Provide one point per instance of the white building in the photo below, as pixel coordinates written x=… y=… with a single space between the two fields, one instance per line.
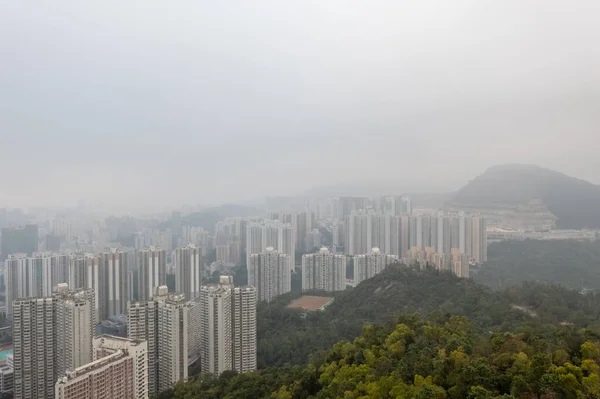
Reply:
x=85 y=272
x=371 y=264
x=34 y=276
x=216 y=328
x=271 y=233
x=152 y=271
x=163 y=323
x=323 y=271
x=172 y=340
x=243 y=323
x=269 y=273
x=142 y=324
x=228 y=327
x=188 y=270
x=50 y=336
x=118 y=371
x=115 y=267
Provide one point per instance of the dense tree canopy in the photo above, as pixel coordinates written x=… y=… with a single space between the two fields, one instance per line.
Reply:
x=442 y=357
x=287 y=336
x=410 y=333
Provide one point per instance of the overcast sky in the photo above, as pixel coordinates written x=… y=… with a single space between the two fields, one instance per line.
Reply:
x=148 y=104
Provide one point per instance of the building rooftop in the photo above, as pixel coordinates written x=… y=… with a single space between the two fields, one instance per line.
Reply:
x=310 y=303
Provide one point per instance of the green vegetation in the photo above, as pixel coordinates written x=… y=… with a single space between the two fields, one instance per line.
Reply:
x=572 y=201
x=469 y=342
x=569 y=263
x=441 y=357
x=288 y=337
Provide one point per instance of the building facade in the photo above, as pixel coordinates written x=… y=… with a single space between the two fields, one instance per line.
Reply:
x=118 y=371
x=163 y=323
x=188 y=270
x=227 y=327
x=369 y=265
x=323 y=271
x=50 y=336
x=152 y=271
x=269 y=273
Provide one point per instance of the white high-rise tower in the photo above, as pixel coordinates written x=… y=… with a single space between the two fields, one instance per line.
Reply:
x=323 y=271
x=188 y=270
x=269 y=273
x=228 y=327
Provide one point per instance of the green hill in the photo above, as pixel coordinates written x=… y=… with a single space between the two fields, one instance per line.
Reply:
x=442 y=357
x=296 y=358
x=286 y=337
x=532 y=191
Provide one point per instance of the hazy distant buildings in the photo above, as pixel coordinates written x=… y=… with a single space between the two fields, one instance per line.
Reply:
x=359 y=232
x=22 y=239
x=395 y=205
x=455 y=261
x=152 y=271
x=227 y=327
x=34 y=276
x=323 y=271
x=270 y=233
x=369 y=265
x=85 y=272
x=314 y=239
x=188 y=270
x=301 y=223
x=395 y=235
x=114 y=267
x=118 y=371
x=270 y=274
x=50 y=335
x=344 y=206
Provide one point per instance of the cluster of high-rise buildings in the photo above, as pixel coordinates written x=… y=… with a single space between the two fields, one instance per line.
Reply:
x=58 y=325
x=58 y=355
x=57 y=299
x=396 y=235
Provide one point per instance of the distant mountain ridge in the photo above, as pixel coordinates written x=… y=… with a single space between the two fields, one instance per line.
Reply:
x=532 y=192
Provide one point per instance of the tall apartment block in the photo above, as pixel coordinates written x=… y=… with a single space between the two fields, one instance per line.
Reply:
x=371 y=264
x=269 y=273
x=323 y=271
x=50 y=336
x=227 y=327
x=142 y=324
x=396 y=235
x=85 y=272
x=34 y=276
x=396 y=205
x=115 y=265
x=163 y=323
x=152 y=271
x=172 y=339
x=188 y=270
x=271 y=233
x=118 y=371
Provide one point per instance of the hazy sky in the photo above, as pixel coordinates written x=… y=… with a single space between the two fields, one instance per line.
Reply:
x=143 y=104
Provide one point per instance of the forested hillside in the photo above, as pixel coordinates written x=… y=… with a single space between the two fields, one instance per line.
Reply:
x=442 y=357
x=570 y=263
x=540 y=316
x=286 y=337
